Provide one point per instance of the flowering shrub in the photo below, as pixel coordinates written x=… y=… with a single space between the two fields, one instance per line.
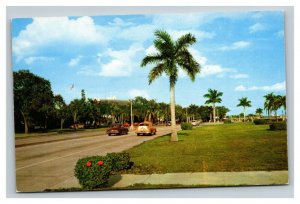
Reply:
x=93 y=172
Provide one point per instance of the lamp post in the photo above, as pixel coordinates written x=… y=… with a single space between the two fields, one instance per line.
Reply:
x=131 y=116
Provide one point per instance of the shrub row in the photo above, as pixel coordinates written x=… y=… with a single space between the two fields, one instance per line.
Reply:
x=186 y=126
x=93 y=172
x=260 y=121
x=227 y=121
x=278 y=126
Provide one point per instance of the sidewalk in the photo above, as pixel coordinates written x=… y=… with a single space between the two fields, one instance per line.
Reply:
x=198 y=178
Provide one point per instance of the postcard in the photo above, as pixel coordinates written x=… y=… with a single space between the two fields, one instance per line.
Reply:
x=181 y=100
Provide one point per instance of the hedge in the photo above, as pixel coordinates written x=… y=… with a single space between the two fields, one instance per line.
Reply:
x=186 y=126
x=119 y=161
x=278 y=126
x=260 y=121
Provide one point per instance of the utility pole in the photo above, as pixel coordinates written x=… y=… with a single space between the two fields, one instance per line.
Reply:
x=131 y=116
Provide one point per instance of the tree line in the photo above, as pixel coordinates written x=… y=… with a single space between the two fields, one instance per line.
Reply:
x=37 y=108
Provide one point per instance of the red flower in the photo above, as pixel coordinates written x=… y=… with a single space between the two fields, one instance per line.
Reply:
x=89 y=164
x=100 y=163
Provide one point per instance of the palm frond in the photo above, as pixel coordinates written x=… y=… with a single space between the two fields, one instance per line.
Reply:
x=151 y=59
x=156 y=72
x=184 y=41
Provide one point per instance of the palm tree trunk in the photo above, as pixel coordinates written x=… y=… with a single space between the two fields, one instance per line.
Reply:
x=244 y=114
x=61 y=123
x=25 y=122
x=174 y=137
x=214 y=112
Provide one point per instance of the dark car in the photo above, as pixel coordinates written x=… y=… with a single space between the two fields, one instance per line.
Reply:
x=117 y=129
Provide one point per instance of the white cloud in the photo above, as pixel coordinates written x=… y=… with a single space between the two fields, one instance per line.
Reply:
x=188 y=20
x=138 y=92
x=257 y=27
x=214 y=69
x=120 y=23
x=274 y=87
x=122 y=62
x=44 y=31
x=151 y=50
x=236 y=46
x=74 y=61
x=139 y=33
x=175 y=34
x=240 y=88
x=31 y=60
x=239 y=76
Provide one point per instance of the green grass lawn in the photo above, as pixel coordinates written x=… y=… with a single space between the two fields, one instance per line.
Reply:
x=228 y=147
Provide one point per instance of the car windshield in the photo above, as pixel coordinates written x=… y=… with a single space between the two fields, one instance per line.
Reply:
x=115 y=126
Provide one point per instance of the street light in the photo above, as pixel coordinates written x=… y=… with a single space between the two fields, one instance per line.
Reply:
x=131 y=116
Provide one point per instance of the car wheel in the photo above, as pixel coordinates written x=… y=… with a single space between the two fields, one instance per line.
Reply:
x=109 y=134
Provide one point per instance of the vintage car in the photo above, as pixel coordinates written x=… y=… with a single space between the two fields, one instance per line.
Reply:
x=146 y=128
x=195 y=122
x=117 y=129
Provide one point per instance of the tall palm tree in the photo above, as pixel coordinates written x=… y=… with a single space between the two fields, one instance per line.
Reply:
x=269 y=102
x=277 y=103
x=169 y=57
x=213 y=97
x=283 y=102
x=245 y=103
x=259 y=111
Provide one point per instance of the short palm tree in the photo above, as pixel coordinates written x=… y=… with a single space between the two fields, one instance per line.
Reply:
x=169 y=57
x=259 y=111
x=245 y=103
x=213 y=97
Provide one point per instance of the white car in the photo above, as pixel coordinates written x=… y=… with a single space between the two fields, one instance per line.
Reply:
x=195 y=122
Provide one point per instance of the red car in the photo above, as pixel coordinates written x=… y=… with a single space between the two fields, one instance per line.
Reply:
x=117 y=129
x=126 y=124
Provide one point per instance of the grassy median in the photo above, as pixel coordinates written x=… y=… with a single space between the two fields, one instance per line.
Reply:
x=228 y=147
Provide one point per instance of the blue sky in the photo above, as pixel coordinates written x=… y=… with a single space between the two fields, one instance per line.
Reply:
x=241 y=54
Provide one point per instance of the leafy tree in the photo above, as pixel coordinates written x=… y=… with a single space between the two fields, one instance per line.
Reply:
x=213 y=97
x=33 y=97
x=222 y=111
x=169 y=57
x=244 y=102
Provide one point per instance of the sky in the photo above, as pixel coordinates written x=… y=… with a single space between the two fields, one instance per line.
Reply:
x=241 y=54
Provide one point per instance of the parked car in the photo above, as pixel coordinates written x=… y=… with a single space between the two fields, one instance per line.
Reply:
x=195 y=122
x=126 y=124
x=117 y=129
x=146 y=128
x=77 y=126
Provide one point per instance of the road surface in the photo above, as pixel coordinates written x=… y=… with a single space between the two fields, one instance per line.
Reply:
x=43 y=162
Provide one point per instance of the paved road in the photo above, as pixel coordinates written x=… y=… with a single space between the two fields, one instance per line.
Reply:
x=48 y=161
